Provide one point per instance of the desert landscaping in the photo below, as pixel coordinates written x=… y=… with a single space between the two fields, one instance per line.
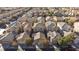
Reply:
x=39 y=29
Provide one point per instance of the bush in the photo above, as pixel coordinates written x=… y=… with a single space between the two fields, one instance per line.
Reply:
x=66 y=20
x=50 y=13
x=71 y=22
x=2 y=22
x=66 y=39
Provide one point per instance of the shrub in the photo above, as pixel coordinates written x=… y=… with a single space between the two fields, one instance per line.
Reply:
x=66 y=39
x=2 y=22
x=71 y=22
x=66 y=20
x=50 y=13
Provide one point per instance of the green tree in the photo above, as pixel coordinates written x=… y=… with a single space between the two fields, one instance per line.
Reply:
x=66 y=39
x=2 y=22
x=71 y=22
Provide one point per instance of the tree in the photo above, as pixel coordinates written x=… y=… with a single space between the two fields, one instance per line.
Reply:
x=66 y=39
x=71 y=22
x=2 y=22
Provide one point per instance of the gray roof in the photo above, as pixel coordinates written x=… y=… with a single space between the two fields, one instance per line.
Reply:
x=76 y=42
x=66 y=27
x=8 y=37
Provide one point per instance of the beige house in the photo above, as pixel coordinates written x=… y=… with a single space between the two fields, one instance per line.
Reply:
x=54 y=18
x=41 y=40
x=9 y=37
x=48 y=18
x=38 y=27
x=22 y=19
x=13 y=28
x=64 y=26
x=39 y=35
x=60 y=24
x=67 y=33
x=24 y=23
x=19 y=26
x=41 y=20
x=60 y=18
x=34 y=20
x=73 y=18
x=28 y=28
x=76 y=27
x=24 y=38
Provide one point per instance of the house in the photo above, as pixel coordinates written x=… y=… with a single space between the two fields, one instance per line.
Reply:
x=51 y=34
x=50 y=26
x=28 y=28
x=60 y=25
x=49 y=18
x=39 y=35
x=61 y=18
x=24 y=23
x=41 y=20
x=76 y=27
x=24 y=38
x=53 y=37
x=32 y=20
x=9 y=37
x=54 y=18
x=64 y=26
x=40 y=40
x=30 y=13
x=76 y=42
x=22 y=19
x=51 y=9
x=14 y=29
x=38 y=27
x=77 y=18
x=19 y=26
x=73 y=18
x=67 y=27
x=66 y=33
